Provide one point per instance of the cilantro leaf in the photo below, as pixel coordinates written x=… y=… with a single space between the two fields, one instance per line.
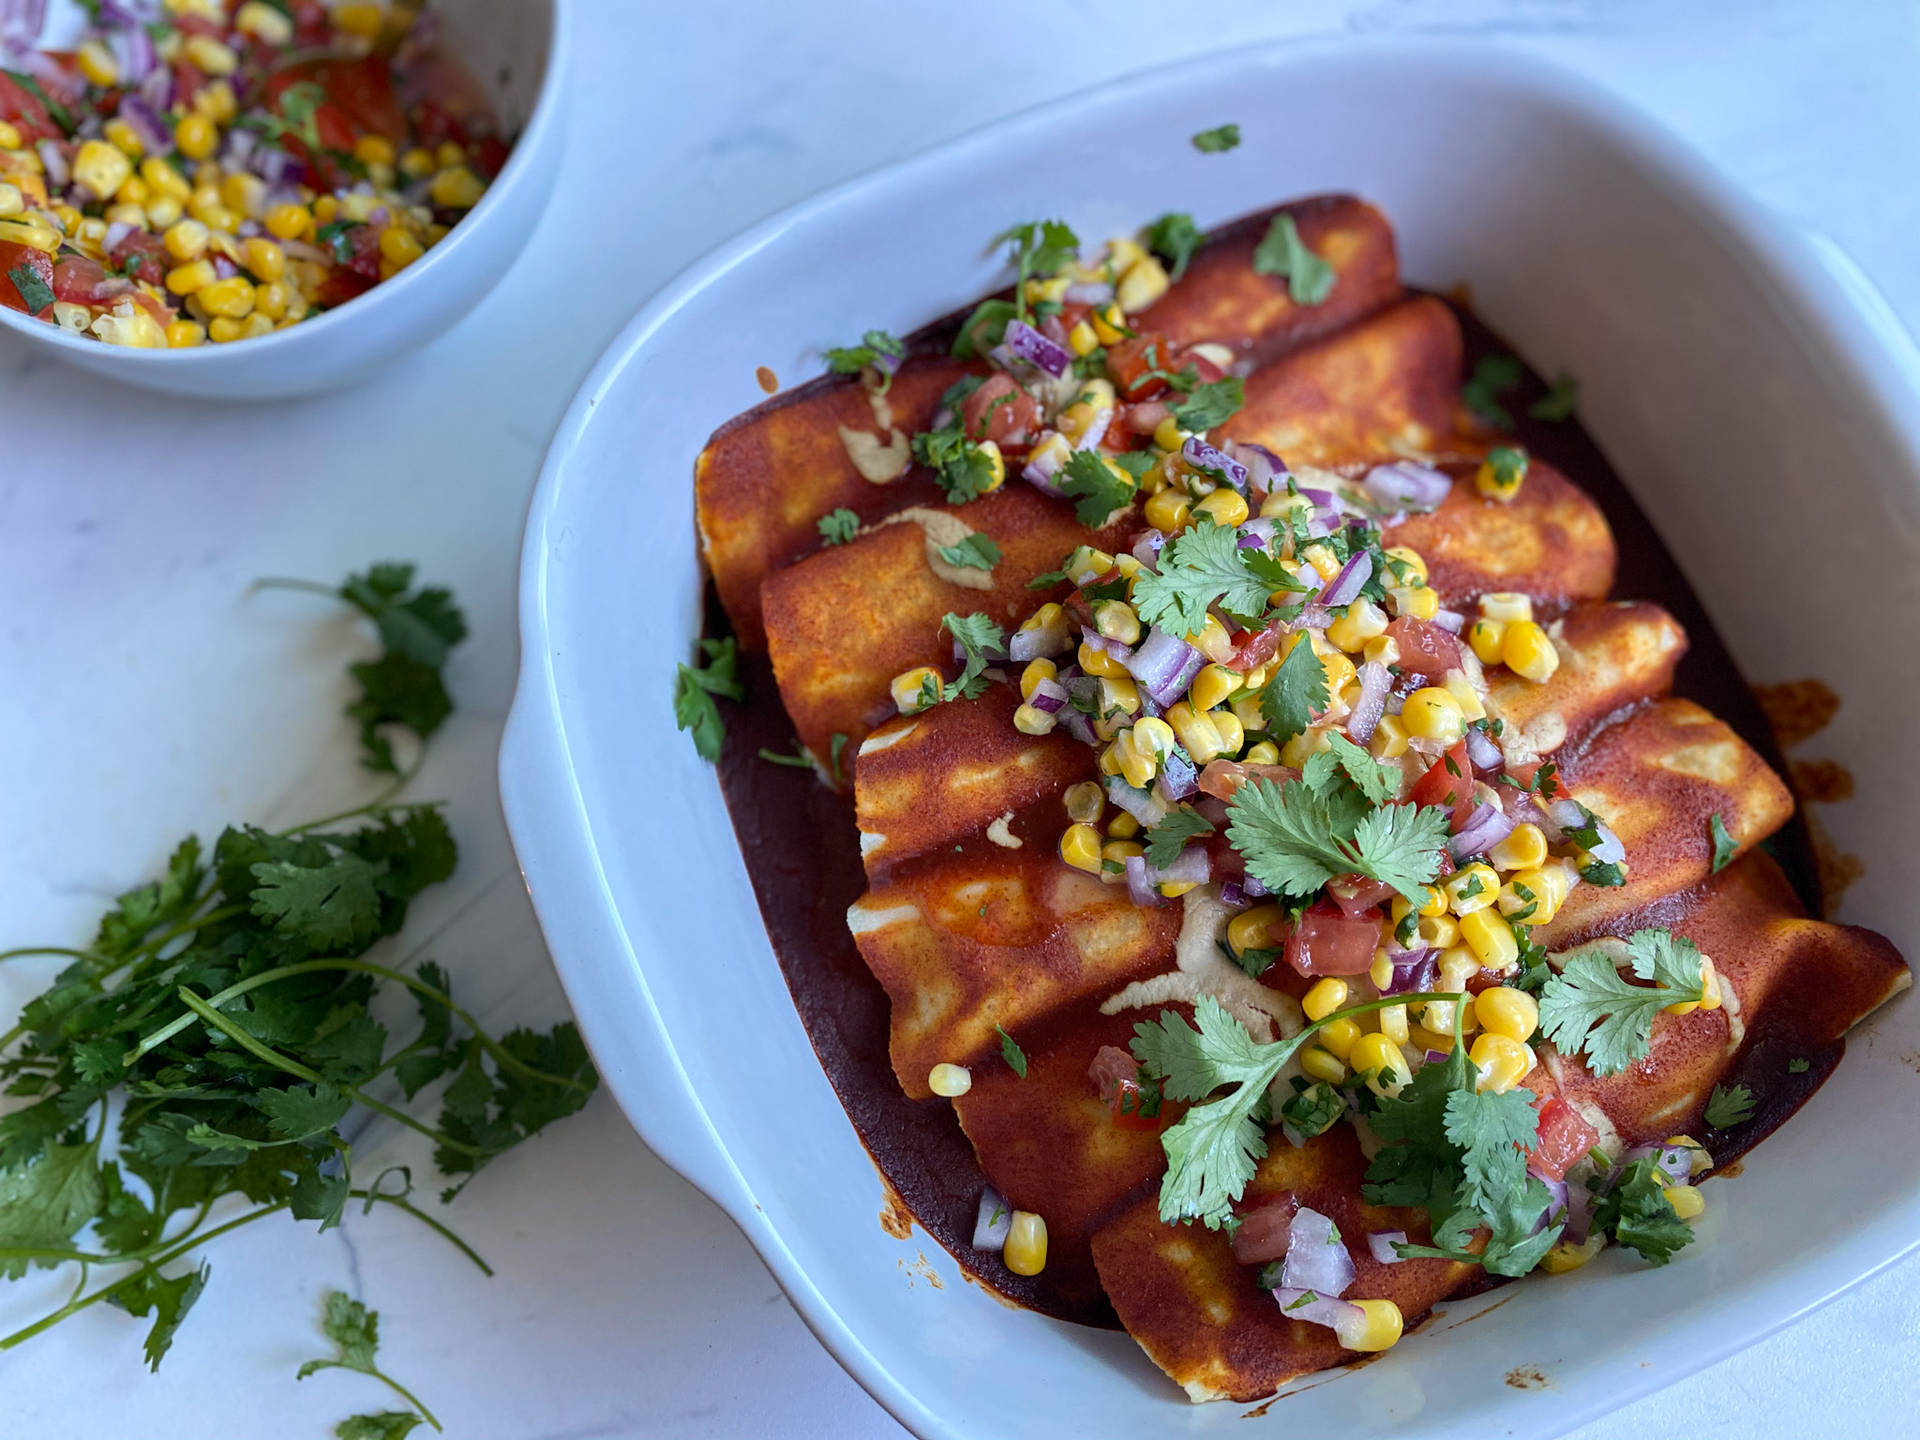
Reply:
x=1169 y=838
x=1038 y=248
x=1281 y=251
x=838 y=526
x=1589 y=1006
x=1314 y=1109
x=167 y=1299
x=355 y=1333
x=1725 y=847
x=1200 y=568
x=1634 y=1210
x=1015 y=1057
x=1294 y=694
x=1296 y=837
x=1214 y=403
x=982 y=641
x=383 y=1425
x=874 y=346
x=1218 y=140
x=976 y=552
x=337 y=235
x=1799 y=1065
x=1174 y=237
x=1493 y=376
x=799 y=760
x=1087 y=477
x=694 y=687
x=962 y=469
x=329 y=907
x=1399 y=845
x=35 y=293
x=1560 y=401
x=983 y=330
x=44 y=1203
x=1729 y=1106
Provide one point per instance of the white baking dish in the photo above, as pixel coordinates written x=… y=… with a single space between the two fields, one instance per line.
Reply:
x=1750 y=388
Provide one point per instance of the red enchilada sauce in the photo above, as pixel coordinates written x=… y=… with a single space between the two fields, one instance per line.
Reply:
x=802 y=850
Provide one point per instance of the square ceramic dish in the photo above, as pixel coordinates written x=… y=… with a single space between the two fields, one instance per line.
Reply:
x=1755 y=395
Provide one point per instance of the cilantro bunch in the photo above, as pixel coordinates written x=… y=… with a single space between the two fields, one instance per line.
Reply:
x=193 y=1067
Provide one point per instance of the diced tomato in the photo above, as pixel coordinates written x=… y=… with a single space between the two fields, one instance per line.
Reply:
x=1223 y=778
x=1425 y=649
x=1525 y=775
x=1564 y=1137
x=76 y=280
x=1265 y=1230
x=151 y=250
x=1000 y=411
x=1327 y=941
x=22 y=108
x=1258 y=649
x=1116 y=1075
x=434 y=125
x=1144 y=418
x=312 y=25
x=1355 y=894
x=1132 y=364
x=14 y=257
x=1448 y=784
x=187 y=77
x=489 y=156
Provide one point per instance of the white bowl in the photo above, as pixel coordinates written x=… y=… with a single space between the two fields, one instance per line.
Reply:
x=1760 y=405
x=515 y=49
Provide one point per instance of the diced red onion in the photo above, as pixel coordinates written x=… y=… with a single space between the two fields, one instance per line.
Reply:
x=1250 y=542
x=1413 y=972
x=1452 y=621
x=1319 y=499
x=1556 y=1203
x=1080 y=727
x=1263 y=466
x=145 y=121
x=1041 y=469
x=1139 y=887
x=54 y=160
x=1096 y=641
x=1096 y=430
x=1193 y=867
x=1403 y=485
x=1435 y=1057
x=1164 y=665
x=1486 y=827
x=1610 y=850
x=225 y=269
x=1375 y=680
x=1089 y=292
x=1232 y=894
x=1484 y=753
x=1143 y=805
x=1345 y=587
x=1030 y=345
x=1316 y=1260
x=995 y=1220
x=1260 y=527
x=1024 y=645
x=1178 y=778
x=1048 y=695
x=21 y=22
x=1148 y=547
x=1202 y=456
x=1381 y=1243
x=1317 y=1309
x=132 y=49
x=117 y=231
x=1255 y=887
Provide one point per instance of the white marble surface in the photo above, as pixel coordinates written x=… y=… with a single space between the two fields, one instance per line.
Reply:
x=143 y=692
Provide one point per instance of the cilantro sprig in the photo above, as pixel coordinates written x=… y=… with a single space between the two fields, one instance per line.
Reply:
x=1294 y=693
x=874 y=346
x=1493 y=376
x=1635 y=1212
x=839 y=526
x=1174 y=238
x=35 y=293
x=1728 y=1106
x=1282 y=252
x=1211 y=404
x=976 y=552
x=1038 y=249
x=1204 y=567
x=355 y=1333
x=1098 y=491
x=1589 y=1006
x=982 y=641
x=1169 y=838
x=962 y=469
x=694 y=687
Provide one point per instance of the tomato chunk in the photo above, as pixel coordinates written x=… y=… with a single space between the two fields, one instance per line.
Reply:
x=1327 y=941
x=1425 y=649
x=1116 y=1075
x=1000 y=411
x=22 y=109
x=28 y=261
x=1264 y=1231
x=1564 y=1137
x=1356 y=894
x=1448 y=784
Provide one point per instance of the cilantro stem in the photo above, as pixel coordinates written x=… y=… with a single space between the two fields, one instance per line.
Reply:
x=380 y=802
x=25 y=950
x=283 y=582
x=505 y=1058
x=380 y=1197
x=313 y=1077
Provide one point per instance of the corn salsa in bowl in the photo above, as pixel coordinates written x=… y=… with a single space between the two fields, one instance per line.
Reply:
x=195 y=171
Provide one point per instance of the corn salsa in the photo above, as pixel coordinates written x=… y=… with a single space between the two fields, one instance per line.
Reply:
x=197 y=171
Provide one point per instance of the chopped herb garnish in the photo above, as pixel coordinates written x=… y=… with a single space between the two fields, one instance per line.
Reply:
x=839 y=526
x=355 y=1332
x=1589 y=1006
x=694 y=687
x=1729 y=1106
x=337 y=235
x=976 y=552
x=1015 y=1057
x=1169 y=838
x=799 y=760
x=1097 y=490
x=982 y=641
x=56 y=112
x=1218 y=140
x=1282 y=252
x=1493 y=376
x=852 y=359
x=1297 y=836
x=1211 y=404
x=1725 y=847
x=839 y=745
x=1314 y=1108
x=1799 y=1065
x=35 y=293
x=1294 y=693
x=1203 y=567
x=1174 y=237
x=1039 y=248
x=1634 y=1210
x=1560 y=401
x=961 y=467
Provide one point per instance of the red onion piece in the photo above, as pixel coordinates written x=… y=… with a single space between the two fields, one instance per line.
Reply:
x=1036 y=349
x=994 y=1221
x=1040 y=470
x=145 y=121
x=1381 y=1243
x=1375 y=680
x=1143 y=805
x=1089 y=292
x=1096 y=429
x=1316 y=1260
x=1317 y=1309
x=1254 y=886
x=1193 y=867
x=1048 y=695
x=1080 y=727
x=1139 y=888
x=1263 y=466
x=21 y=22
x=1558 y=1209
x=1164 y=665
x=1345 y=587
x=1413 y=971
x=1403 y=485
x=1486 y=827
x=1233 y=894
x=54 y=160
x=1484 y=753
x=1178 y=778
x=1148 y=547
x=1112 y=1067
x=1202 y=456
x=1451 y=621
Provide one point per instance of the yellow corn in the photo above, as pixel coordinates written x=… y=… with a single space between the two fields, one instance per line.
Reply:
x=1502 y=1061
x=12 y=202
x=1699 y=1162
x=131 y=326
x=1246 y=709
x=1262 y=752
x=1484 y=636
x=1380 y=1327
x=1501 y=474
x=1421 y=602
x=1279 y=504
x=1026 y=1248
x=1252 y=929
x=1119 y=692
x=1144 y=282
x=949 y=1080
x=28 y=231
x=186 y=240
x=190 y=278
x=1338 y=1037
x=1169 y=511
x=1304 y=746
x=399 y=247
x=1503 y=1010
x=101 y=167
x=456 y=189
x=1566 y=1256
x=1123 y=827
x=358 y=17
x=996 y=465
x=185 y=334
x=10 y=136
x=1491 y=938
x=1080 y=847
x=1109 y=323
x=1432 y=713
x=1153 y=736
x=96 y=62
x=163 y=211
x=1389 y=738
x=1383 y=1063
x=910 y=686
x=1136 y=767
x=1036 y=671
x=1212 y=685
x=1032 y=720
x=1084 y=801
x=1196 y=731
x=1324 y=997
x=1356 y=625
x=1223 y=507
x=1687 y=1201
x=1081 y=339
x=1506 y=606
x=1213 y=641
x=1528 y=652
x=1411 y=566
x=1319 y=1064
x=1393 y=1023
x=1113 y=859
x=1099 y=663
x=1471 y=888
x=1116 y=620
x=1438 y=931
x=1524 y=849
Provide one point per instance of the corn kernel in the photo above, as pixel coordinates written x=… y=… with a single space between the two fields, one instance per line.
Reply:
x=1122 y=827
x=232 y=297
x=1506 y=606
x=1524 y=849
x=1196 y=731
x=914 y=690
x=1502 y=1061
x=1032 y=720
x=1393 y=1023
x=1116 y=620
x=1085 y=801
x=1356 y=625
x=131 y=326
x=1113 y=859
x=1438 y=932
x=1687 y=1201
x=12 y=201
x=96 y=62
x=1212 y=685
x=1137 y=767
x=1490 y=937
x=1379 y=1328
x=263 y=22
x=1566 y=1256
x=191 y=278
x=1528 y=652
x=1143 y=282
x=1382 y=1062
x=244 y=194
x=1169 y=511
x=1304 y=746
x=1036 y=671
x=1262 y=752
x=288 y=222
x=1484 y=636
x=1080 y=847
x=133 y=215
x=949 y=1080
x=1319 y=1064
x=456 y=189
x=1025 y=1252
x=1223 y=507
x=1324 y=997
x=362 y=18
x=185 y=334
x=1232 y=734
x=1389 y=740
x=1432 y=713
x=211 y=55
x=1109 y=323
x=1246 y=709
x=164 y=211
x=1503 y=1010
x=1213 y=641
x=1699 y=1162
x=31 y=232
x=1153 y=736
x=1081 y=339
x=1252 y=929
x=10 y=136
x=1338 y=1037
x=101 y=167
x=1500 y=475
